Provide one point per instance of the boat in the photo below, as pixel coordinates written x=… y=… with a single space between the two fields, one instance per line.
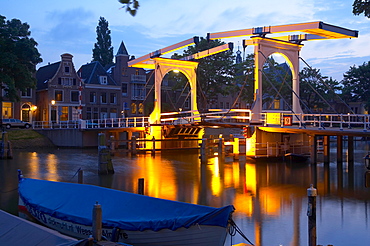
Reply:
x=134 y=219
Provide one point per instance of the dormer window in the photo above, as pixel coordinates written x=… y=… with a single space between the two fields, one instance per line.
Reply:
x=103 y=80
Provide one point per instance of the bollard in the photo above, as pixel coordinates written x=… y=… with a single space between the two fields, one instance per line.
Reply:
x=141 y=186
x=311 y=213
x=97 y=222
x=133 y=145
x=80 y=176
x=153 y=149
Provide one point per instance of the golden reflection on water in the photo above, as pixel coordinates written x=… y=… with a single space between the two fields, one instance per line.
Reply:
x=52 y=167
x=34 y=165
x=214 y=167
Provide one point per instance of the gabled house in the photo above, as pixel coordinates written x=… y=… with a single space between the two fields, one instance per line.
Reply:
x=100 y=93
x=57 y=94
x=132 y=82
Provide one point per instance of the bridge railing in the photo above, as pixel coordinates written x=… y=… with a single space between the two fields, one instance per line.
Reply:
x=94 y=123
x=333 y=120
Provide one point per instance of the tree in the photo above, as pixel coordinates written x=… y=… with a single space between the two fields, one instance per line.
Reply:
x=356 y=83
x=361 y=6
x=103 y=50
x=131 y=6
x=18 y=58
x=215 y=73
x=316 y=90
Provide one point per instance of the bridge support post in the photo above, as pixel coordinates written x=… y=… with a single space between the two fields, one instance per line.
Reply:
x=133 y=145
x=221 y=148
x=339 y=149
x=326 y=143
x=313 y=148
x=350 y=151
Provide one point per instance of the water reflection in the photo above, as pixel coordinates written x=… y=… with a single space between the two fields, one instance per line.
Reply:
x=270 y=198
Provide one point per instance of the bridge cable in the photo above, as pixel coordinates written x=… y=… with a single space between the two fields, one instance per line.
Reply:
x=268 y=80
x=289 y=87
x=330 y=88
x=239 y=94
x=281 y=87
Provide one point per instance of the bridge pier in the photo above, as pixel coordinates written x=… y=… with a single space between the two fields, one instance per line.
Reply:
x=339 y=149
x=326 y=145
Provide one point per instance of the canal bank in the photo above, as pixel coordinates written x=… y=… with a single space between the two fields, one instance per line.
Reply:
x=27 y=139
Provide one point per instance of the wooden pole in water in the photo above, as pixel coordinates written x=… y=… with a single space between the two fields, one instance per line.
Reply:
x=326 y=143
x=80 y=176
x=133 y=145
x=141 y=186
x=97 y=222
x=153 y=147
x=339 y=149
x=311 y=213
x=350 y=150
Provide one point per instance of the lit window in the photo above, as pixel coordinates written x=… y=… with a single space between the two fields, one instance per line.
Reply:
x=141 y=108
x=58 y=96
x=133 y=108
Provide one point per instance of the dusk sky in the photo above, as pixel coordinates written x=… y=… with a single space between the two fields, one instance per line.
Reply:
x=70 y=26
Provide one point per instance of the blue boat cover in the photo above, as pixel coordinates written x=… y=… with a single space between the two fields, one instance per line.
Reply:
x=124 y=210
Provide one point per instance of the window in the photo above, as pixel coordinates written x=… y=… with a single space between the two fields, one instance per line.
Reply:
x=27 y=93
x=221 y=105
x=103 y=97
x=7 y=110
x=141 y=108
x=66 y=81
x=124 y=89
x=138 y=91
x=58 y=96
x=113 y=98
x=64 y=114
x=66 y=69
x=88 y=113
x=92 y=97
x=187 y=104
x=103 y=80
x=74 y=96
x=133 y=108
x=96 y=113
x=227 y=105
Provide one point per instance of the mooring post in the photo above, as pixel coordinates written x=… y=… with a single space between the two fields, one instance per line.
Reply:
x=112 y=143
x=236 y=149
x=350 y=150
x=311 y=213
x=153 y=147
x=203 y=150
x=339 y=149
x=133 y=145
x=221 y=147
x=97 y=222
x=326 y=145
x=105 y=160
x=80 y=176
x=4 y=145
x=141 y=186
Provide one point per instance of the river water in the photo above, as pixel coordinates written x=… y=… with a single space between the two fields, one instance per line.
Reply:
x=270 y=197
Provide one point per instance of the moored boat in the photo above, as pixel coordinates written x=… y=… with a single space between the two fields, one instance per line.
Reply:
x=141 y=220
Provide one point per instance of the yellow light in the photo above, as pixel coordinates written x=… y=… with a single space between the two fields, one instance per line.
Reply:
x=34 y=107
x=176 y=71
x=52 y=102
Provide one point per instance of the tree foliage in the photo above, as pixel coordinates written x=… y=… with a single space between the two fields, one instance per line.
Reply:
x=316 y=90
x=356 y=83
x=131 y=6
x=361 y=7
x=18 y=57
x=103 y=50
